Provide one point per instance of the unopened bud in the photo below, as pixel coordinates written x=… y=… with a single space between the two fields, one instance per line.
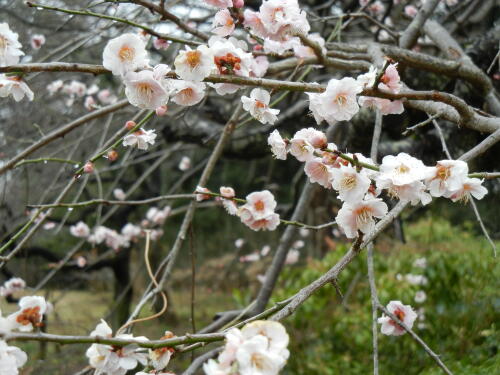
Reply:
x=112 y=155
x=130 y=125
x=88 y=167
x=161 y=110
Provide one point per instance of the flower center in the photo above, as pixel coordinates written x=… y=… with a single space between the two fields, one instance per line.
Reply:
x=3 y=43
x=145 y=90
x=30 y=315
x=443 y=173
x=363 y=215
x=341 y=99
x=257 y=360
x=402 y=169
x=259 y=206
x=186 y=93
x=400 y=314
x=193 y=58
x=348 y=182
x=227 y=64
x=126 y=53
x=259 y=104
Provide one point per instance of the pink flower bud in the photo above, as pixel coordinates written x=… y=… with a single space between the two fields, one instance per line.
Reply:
x=161 y=111
x=112 y=155
x=88 y=167
x=130 y=125
x=238 y=3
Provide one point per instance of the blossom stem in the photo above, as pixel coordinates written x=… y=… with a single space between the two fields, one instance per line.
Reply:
x=45 y=160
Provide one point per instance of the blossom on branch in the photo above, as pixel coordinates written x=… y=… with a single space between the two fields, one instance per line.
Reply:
x=403 y=312
x=124 y=54
x=141 y=138
x=360 y=216
x=11 y=359
x=278 y=145
x=225 y=23
x=15 y=86
x=10 y=48
x=258 y=106
x=258 y=213
x=194 y=65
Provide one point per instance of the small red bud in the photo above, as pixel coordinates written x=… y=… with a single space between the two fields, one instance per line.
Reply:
x=130 y=125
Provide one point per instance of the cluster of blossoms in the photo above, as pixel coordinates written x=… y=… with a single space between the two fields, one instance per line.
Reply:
x=26 y=319
x=278 y=23
x=117 y=360
x=404 y=313
x=359 y=182
x=340 y=101
x=130 y=233
x=260 y=347
x=257 y=212
x=11 y=286
x=76 y=89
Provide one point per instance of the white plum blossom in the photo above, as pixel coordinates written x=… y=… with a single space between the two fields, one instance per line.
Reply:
x=239 y=242
x=304 y=142
x=259 y=348
x=255 y=357
x=194 y=65
x=161 y=357
x=11 y=359
x=187 y=93
x=338 y=102
x=141 y=138
x=359 y=216
x=124 y=54
x=30 y=314
x=15 y=86
x=446 y=176
x=403 y=312
x=283 y=16
x=350 y=184
x=470 y=187
x=258 y=213
x=278 y=145
x=319 y=172
x=230 y=58
x=258 y=106
x=15 y=284
x=145 y=89
x=114 y=360
x=10 y=48
x=80 y=230
x=225 y=23
x=402 y=169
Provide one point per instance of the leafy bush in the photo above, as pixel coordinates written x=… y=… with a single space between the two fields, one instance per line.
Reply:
x=457 y=320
